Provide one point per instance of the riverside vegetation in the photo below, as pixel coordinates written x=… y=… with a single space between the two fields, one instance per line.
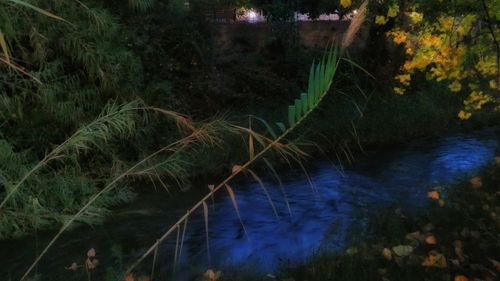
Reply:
x=87 y=89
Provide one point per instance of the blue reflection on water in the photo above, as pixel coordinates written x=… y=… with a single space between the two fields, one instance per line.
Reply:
x=318 y=220
x=322 y=219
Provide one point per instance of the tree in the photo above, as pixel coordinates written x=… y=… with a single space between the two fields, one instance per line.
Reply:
x=452 y=42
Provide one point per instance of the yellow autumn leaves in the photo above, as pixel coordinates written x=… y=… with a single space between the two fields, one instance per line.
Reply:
x=392 y=12
x=345 y=3
x=436 y=48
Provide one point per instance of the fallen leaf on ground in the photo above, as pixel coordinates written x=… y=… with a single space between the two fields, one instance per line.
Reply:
x=435 y=259
x=129 y=277
x=431 y=239
x=402 y=250
x=434 y=195
x=458 y=250
x=460 y=278
x=476 y=182
x=352 y=251
x=387 y=254
x=210 y=275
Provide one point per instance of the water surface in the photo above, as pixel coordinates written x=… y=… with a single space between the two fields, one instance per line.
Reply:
x=310 y=218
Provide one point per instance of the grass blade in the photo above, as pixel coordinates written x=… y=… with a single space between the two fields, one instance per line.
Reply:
x=205 y=214
x=280 y=183
x=281 y=126
x=291 y=115
x=266 y=124
x=5 y=49
x=256 y=178
x=298 y=109
x=251 y=148
x=305 y=103
x=310 y=87
x=235 y=205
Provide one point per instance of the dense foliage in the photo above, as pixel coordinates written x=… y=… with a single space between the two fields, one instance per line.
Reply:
x=452 y=42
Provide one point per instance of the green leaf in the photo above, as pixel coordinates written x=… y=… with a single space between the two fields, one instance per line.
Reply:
x=291 y=115
x=322 y=75
x=304 y=100
x=310 y=89
x=281 y=126
x=317 y=84
x=402 y=250
x=267 y=125
x=298 y=109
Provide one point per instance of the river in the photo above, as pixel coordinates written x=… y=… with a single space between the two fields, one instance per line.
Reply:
x=310 y=218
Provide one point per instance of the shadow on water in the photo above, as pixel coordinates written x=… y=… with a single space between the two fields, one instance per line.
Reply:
x=318 y=219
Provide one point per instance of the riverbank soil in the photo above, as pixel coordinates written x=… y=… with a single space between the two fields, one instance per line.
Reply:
x=458 y=238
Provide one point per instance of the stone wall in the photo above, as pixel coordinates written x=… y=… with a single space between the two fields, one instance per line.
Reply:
x=256 y=35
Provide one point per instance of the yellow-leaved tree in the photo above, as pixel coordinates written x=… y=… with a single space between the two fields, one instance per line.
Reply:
x=454 y=43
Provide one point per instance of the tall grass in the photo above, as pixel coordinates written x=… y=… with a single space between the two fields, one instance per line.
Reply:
x=205 y=134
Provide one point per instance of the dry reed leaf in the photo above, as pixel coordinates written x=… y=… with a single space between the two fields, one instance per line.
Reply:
x=92 y=264
x=235 y=205
x=282 y=189
x=434 y=195
x=177 y=244
x=20 y=69
x=251 y=148
x=205 y=214
x=355 y=25
x=254 y=175
x=183 y=235
x=236 y=169
x=476 y=182
x=5 y=49
x=91 y=253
